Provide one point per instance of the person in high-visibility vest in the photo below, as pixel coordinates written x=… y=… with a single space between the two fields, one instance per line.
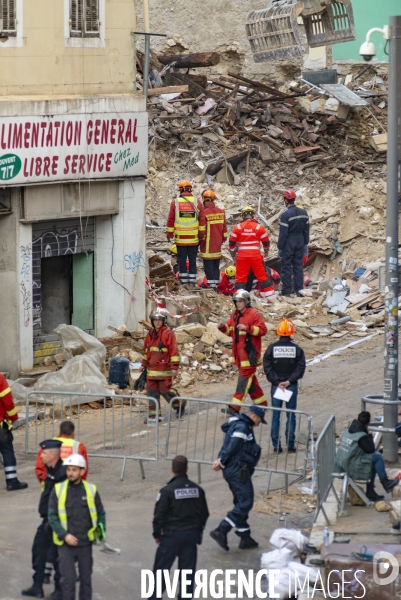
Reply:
x=8 y=416
x=216 y=235
x=69 y=446
x=77 y=518
x=186 y=225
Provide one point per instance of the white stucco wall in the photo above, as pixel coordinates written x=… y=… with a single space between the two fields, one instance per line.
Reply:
x=114 y=305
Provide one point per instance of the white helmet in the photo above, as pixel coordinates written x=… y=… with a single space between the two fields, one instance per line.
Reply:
x=242 y=295
x=75 y=460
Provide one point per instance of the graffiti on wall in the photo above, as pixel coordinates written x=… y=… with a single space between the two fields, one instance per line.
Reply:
x=25 y=288
x=52 y=242
x=134 y=261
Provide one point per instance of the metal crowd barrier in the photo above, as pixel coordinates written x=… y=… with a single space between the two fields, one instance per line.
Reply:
x=198 y=436
x=122 y=433
x=325 y=456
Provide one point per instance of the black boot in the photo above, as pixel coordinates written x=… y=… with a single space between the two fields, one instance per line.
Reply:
x=371 y=494
x=220 y=538
x=180 y=412
x=36 y=591
x=14 y=484
x=56 y=595
x=230 y=411
x=388 y=484
x=246 y=543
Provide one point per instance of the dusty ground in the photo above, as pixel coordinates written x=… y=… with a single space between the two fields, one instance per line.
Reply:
x=335 y=385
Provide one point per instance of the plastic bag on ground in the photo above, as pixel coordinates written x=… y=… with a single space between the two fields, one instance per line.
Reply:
x=77 y=342
x=80 y=375
x=18 y=391
x=288 y=538
x=277 y=559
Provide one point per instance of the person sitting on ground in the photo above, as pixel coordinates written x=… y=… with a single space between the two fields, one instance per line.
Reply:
x=357 y=456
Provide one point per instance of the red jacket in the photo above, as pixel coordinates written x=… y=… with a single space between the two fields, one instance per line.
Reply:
x=69 y=446
x=186 y=221
x=161 y=353
x=216 y=232
x=8 y=412
x=225 y=286
x=273 y=278
x=256 y=327
x=248 y=236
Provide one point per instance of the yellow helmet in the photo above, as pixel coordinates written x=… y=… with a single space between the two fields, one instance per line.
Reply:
x=231 y=271
x=172 y=249
x=247 y=210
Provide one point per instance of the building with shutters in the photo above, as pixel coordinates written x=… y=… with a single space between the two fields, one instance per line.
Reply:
x=73 y=162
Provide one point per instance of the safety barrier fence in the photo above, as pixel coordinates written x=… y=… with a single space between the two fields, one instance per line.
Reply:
x=324 y=459
x=122 y=432
x=198 y=436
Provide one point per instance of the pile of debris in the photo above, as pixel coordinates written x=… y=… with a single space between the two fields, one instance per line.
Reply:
x=251 y=139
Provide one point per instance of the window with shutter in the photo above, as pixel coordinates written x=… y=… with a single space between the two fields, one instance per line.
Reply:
x=8 y=23
x=84 y=18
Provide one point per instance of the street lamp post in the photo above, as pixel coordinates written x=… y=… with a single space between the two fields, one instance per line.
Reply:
x=390 y=446
x=392 y=34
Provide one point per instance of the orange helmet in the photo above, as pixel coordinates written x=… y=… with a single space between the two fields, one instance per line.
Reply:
x=285 y=328
x=184 y=184
x=208 y=195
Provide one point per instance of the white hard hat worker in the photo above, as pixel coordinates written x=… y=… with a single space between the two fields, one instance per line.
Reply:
x=75 y=460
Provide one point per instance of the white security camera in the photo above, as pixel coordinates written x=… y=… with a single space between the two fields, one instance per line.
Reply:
x=367 y=51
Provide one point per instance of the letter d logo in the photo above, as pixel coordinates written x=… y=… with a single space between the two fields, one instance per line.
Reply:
x=385 y=568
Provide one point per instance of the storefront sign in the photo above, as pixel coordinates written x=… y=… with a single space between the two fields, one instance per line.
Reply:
x=72 y=147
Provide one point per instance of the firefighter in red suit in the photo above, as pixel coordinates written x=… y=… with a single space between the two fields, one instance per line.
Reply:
x=69 y=445
x=226 y=282
x=215 y=236
x=274 y=281
x=246 y=328
x=246 y=237
x=161 y=360
x=8 y=415
x=186 y=225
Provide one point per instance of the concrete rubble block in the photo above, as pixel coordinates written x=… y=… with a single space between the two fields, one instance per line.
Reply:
x=285 y=310
x=114 y=351
x=199 y=347
x=382 y=506
x=208 y=339
x=182 y=337
x=354 y=314
x=356 y=326
x=186 y=379
x=214 y=367
x=135 y=356
x=299 y=323
x=59 y=359
x=185 y=360
x=199 y=356
x=218 y=335
x=195 y=330
x=47 y=361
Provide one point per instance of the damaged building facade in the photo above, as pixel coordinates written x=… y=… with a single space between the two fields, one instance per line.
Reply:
x=73 y=158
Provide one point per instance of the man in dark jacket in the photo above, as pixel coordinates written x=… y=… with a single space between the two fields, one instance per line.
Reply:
x=237 y=459
x=357 y=456
x=179 y=519
x=77 y=518
x=284 y=365
x=292 y=239
x=56 y=473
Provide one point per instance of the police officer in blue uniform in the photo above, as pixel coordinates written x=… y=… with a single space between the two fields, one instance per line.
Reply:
x=179 y=519
x=237 y=459
x=43 y=542
x=292 y=239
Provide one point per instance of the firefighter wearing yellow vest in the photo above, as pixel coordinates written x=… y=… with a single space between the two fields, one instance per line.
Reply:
x=186 y=225
x=77 y=518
